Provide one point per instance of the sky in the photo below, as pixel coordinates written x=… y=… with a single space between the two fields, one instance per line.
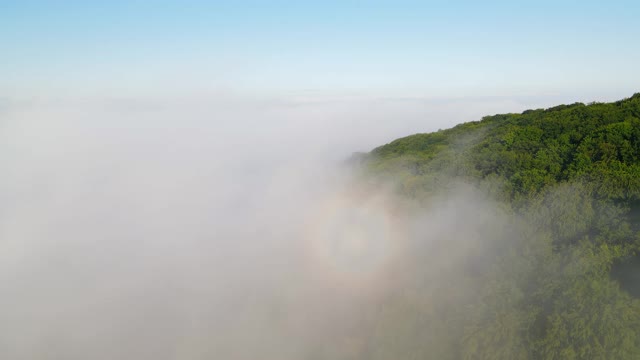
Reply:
x=327 y=49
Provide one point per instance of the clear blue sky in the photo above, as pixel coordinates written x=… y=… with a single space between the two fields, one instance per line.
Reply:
x=393 y=48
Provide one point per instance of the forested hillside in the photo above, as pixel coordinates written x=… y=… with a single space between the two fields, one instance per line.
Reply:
x=561 y=278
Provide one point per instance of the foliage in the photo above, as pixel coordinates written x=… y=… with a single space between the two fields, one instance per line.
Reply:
x=569 y=177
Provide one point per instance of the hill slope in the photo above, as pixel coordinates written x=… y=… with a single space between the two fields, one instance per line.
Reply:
x=599 y=142
x=566 y=284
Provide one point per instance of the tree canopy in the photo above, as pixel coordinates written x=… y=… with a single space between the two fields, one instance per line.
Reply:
x=561 y=278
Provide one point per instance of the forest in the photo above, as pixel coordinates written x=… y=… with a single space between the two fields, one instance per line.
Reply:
x=558 y=277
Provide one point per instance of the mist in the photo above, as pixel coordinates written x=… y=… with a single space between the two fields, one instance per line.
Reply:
x=224 y=229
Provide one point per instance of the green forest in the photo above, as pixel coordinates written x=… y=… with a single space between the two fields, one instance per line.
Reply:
x=561 y=278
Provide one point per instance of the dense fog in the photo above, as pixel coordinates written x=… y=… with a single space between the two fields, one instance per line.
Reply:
x=227 y=229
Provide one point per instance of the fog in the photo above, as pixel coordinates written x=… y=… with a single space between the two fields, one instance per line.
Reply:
x=224 y=229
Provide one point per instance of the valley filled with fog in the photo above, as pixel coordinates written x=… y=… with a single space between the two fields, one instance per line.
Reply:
x=230 y=229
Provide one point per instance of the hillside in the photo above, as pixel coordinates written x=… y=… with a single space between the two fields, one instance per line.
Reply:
x=566 y=284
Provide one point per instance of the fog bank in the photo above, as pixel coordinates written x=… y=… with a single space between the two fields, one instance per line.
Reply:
x=227 y=230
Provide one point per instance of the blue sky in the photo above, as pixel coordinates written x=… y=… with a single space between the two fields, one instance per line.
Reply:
x=321 y=48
